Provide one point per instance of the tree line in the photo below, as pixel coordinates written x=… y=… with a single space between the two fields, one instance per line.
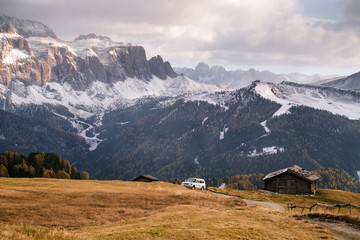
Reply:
x=37 y=165
x=329 y=178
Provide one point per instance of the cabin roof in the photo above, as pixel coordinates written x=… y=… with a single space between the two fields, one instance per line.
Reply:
x=146 y=176
x=295 y=170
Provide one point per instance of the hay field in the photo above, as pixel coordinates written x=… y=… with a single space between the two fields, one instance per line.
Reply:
x=76 y=209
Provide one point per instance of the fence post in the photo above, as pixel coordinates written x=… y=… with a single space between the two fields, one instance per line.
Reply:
x=339 y=210
x=350 y=208
x=316 y=206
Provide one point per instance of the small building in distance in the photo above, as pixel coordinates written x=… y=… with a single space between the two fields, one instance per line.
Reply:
x=145 y=178
x=291 y=180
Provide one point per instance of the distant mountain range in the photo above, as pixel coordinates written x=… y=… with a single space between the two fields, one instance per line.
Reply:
x=240 y=78
x=109 y=110
x=351 y=82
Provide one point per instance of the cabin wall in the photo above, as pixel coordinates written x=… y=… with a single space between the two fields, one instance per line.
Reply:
x=290 y=184
x=142 y=179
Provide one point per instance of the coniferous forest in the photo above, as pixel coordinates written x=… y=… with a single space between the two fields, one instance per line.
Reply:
x=37 y=165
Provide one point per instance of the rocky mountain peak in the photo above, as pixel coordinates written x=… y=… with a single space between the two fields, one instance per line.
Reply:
x=92 y=36
x=26 y=28
x=11 y=29
x=203 y=69
x=160 y=68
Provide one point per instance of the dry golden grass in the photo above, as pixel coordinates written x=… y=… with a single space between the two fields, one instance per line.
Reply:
x=325 y=196
x=71 y=209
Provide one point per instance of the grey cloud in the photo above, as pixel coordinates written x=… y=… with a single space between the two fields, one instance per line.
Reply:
x=242 y=32
x=351 y=10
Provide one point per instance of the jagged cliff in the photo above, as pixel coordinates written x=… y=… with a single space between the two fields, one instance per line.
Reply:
x=30 y=52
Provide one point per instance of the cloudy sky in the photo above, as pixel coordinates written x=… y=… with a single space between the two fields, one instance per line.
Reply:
x=283 y=36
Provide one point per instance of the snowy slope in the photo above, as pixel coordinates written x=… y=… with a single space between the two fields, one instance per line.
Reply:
x=332 y=100
x=99 y=97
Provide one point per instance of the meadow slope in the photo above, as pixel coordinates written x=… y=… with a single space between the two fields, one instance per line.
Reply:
x=79 y=209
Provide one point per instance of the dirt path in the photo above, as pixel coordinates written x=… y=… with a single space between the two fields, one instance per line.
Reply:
x=250 y=203
x=270 y=205
x=341 y=230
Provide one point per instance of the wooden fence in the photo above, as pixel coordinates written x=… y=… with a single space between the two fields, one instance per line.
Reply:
x=326 y=206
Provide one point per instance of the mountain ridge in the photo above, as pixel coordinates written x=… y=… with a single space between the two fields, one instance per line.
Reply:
x=238 y=78
x=351 y=82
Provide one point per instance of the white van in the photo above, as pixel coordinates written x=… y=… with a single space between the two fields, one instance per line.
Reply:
x=195 y=183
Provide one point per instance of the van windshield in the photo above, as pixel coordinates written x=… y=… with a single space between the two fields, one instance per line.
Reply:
x=191 y=180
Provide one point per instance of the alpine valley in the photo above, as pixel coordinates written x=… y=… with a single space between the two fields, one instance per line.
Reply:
x=112 y=112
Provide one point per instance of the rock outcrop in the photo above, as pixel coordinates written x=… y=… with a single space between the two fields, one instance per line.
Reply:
x=44 y=58
x=160 y=68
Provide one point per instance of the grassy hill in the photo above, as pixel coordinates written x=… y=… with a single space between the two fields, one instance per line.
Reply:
x=73 y=209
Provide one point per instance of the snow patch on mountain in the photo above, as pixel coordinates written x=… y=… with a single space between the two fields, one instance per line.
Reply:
x=15 y=55
x=222 y=133
x=196 y=161
x=289 y=95
x=218 y=98
x=100 y=95
x=4 y=36
x=267 y=130
x=267 y=151
x=203 y=121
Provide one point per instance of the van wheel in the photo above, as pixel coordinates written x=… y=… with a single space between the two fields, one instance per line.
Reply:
x=202 y=188
x=193 y=187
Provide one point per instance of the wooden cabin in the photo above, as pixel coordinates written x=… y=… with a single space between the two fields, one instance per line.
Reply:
x=145 y=178
x=291 y=180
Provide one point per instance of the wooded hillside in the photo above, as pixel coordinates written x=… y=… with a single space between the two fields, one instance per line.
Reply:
x=47 y=165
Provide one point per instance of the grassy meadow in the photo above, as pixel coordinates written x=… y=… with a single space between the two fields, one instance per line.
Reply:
x=79 y=209
x=326 y=196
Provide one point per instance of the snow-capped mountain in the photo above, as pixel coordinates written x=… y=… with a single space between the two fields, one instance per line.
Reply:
x=88 y=76
x=108 y=109
x=351 y=82
x=288 y=94
x=240 y=78
x=259 y=128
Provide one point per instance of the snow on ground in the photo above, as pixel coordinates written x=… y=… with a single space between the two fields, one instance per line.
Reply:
x=267 y=130
x=15 y=55
x=40 y=46
x=288 y=95
x=222 y=133
x=167 y=116
x=267 y=151
x=215 y=96
x=203 y=122
x=127 y=91
x=284 y=109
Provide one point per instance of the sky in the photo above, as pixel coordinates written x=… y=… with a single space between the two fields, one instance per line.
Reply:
x=283 y=36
